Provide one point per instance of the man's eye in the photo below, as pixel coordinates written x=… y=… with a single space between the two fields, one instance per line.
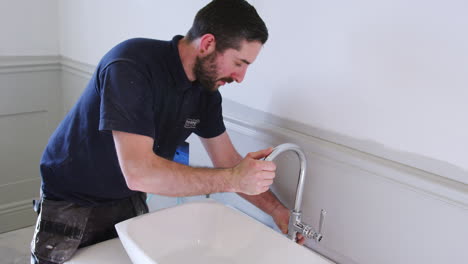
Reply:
x=238 y=64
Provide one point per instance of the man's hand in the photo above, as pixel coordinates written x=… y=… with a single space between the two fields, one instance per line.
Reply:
x=281 y=217
x=253 y=176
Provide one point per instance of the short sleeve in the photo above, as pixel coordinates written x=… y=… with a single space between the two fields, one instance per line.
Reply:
x=212 y=123
x=126 y=100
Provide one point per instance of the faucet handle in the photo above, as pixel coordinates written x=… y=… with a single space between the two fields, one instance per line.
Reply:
x=318 y=236
x=322 y=219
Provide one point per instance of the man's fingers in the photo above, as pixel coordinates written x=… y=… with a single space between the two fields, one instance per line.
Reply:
x=266 y=175
x=260 y=154
x=265 y=165
x=268 y=165
x=255 y=176
x=284 y=229
x=300 y=239
x=266 y=183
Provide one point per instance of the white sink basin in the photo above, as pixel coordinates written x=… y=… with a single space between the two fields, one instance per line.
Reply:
x=207 y=232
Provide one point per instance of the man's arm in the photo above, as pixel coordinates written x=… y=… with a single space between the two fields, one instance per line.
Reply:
x=224 y=155
x=145 y=171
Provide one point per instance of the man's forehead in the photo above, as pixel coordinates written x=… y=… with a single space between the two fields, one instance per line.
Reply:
x=248 y=51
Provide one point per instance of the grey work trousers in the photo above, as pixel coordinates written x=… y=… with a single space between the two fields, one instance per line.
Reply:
x=62 y=227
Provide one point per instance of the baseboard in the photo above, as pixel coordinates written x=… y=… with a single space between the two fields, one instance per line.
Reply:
x=16 y=215
x=16 y=209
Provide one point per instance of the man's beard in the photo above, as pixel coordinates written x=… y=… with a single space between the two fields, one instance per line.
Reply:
x=206 y=72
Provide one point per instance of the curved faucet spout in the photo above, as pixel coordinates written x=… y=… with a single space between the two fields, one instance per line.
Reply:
x=295 y=223
x=303 y=167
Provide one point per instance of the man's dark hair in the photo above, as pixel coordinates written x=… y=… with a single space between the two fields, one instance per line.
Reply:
x=230 y=21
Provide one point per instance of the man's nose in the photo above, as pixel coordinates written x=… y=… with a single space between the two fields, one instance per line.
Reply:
x=238 y=76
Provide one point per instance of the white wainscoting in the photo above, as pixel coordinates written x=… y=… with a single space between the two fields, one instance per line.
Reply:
x=378 y=211
x=380 y=208
x=29 y=112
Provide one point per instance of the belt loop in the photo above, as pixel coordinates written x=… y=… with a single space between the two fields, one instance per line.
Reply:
x=37 y=205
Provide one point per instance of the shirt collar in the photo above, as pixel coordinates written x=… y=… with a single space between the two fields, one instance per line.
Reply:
x=180 y=79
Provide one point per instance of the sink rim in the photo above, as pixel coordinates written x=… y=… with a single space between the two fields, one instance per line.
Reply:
x=133 y=246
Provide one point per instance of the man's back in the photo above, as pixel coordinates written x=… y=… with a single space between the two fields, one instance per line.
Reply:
x=80 y=163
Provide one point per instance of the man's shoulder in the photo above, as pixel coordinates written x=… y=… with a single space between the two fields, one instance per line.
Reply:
x=139 y=46
x=143 y=52
x=142 y=42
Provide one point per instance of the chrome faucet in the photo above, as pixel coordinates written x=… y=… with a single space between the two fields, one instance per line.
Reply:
x=295 y=223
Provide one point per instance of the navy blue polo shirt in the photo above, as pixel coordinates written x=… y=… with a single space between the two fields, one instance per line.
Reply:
x=139 y=87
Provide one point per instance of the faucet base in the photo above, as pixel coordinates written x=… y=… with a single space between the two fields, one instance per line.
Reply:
x=297 y=226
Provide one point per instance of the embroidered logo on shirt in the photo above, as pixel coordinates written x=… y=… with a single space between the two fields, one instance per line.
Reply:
x=191 y=123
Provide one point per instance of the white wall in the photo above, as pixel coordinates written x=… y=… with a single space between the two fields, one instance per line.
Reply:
x=88 y=29
x=390 y=74
x=28 y=27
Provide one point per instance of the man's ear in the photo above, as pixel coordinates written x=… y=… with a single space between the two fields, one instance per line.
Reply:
x=207 y=44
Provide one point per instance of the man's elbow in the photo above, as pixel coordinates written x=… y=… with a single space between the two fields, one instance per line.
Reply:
x=133 y=178
x=143 y=174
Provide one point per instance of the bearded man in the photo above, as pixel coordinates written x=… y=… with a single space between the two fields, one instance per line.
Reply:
x=143 y=101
